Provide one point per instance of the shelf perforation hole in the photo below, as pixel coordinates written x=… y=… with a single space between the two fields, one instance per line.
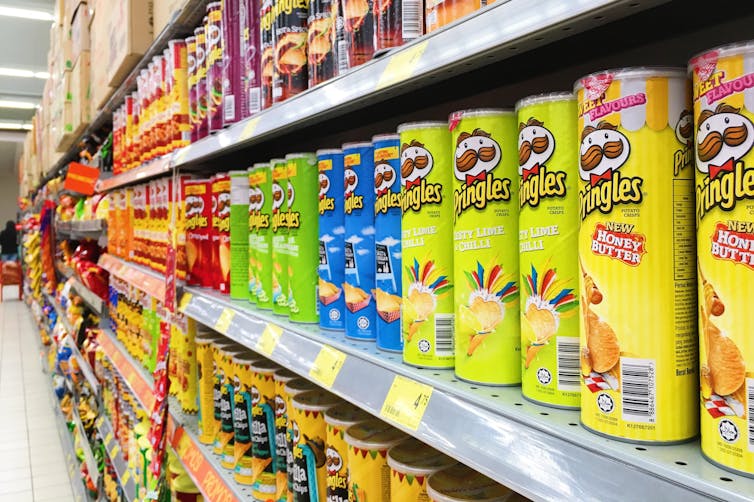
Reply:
x=573 y=424
x=641 y=448
x=473 y=387
x=566 y=28
x=518 y=404
x=436 y=374
x=680 y=462
x=634 y=4
x=494 y=395
x=726 y=479
x=543 y=413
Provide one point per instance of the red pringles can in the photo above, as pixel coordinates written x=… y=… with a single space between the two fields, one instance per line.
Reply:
x=200 y=90
x=290 y=70
x=251 y=79
x=358 y=21
x=221 y=232
x=321 y=39
x=233 y=63
x=197 y=207
x=267 y=42
x=192 y=76
x=397 y=22
x=214 y=50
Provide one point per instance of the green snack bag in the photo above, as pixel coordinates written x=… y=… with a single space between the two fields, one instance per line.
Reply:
x=239 y=231
x=278 y=189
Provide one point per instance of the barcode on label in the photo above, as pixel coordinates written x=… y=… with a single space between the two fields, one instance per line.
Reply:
x=568 y=363
x=637 y=389
x=392 y=410
x=230 y=107
x=750 y=410
x=411 y=19
x=444 y=334
x=255 y=99
x=277 y=91
x=342 y=56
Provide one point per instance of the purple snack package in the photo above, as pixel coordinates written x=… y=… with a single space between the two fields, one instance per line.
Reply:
x=232 y=62
x=200 y=90
x=214 y=50
x=251 y=55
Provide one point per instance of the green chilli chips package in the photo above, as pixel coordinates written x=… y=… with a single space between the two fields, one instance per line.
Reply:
x=277 y=193
x=260 y=219
x=239 y=231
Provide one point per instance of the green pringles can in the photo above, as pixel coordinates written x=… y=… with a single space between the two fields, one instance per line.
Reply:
x=302 y=198
x=548 y=244
x=239 y=231
x=260 y=226
x=279 y=226
x=426 y=239
x=254 y=192
x=485 y=246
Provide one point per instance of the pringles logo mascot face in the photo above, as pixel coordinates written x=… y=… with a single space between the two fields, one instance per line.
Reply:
x=194 y=206
x=535 y=147
x=334 y=461
x=291 y=196
x=684 y=129
x=350 y=181
x=324 y=185
x=416 y=163
x=277 y=196
x=604 y=150
x=384 y=179
x=477 y=154
x=256 y=199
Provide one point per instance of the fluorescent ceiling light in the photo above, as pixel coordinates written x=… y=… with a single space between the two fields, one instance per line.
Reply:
x=17 y=72
x=16 y=126
x=21 y=105
x=38 y=15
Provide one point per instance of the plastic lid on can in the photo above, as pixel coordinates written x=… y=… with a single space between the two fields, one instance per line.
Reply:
x=277 y=161
x=722 y=51
x=356 y=144
x=299 y=155
x=264 y=366
x=637 y=72
x=460 y=483
x=246 y=358
x=386 y=137
x=260 y=165
x=328 y=151
x=545 y=97
x=481 y=112
x=417 y=459
x=374 y=434
x=237 y=173
x=345 y=415
x=285 y=375
x=299 y=385
x=315 y=400
x=199 y=29
x=214 y=5
x=191 y=39
x=427 y=124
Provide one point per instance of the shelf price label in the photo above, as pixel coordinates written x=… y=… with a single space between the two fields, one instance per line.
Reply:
x=327 y=365
x=249 y=129
x=223 y=322
x=126 y=476
x=269 y=339
x=401 y=66
x=406 y=402
x=185 y=301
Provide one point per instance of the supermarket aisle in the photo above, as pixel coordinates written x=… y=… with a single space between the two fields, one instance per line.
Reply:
x=32 y=465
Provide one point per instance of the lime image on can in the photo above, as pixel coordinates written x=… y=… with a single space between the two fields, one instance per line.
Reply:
x=239 y=231
x=638 y=336
x=358 y=162
x=282 y=377
x=279 y=226
x=303 y=230
x=264 y=483
x=387 y=241
x=368 y=444
x=259 y=228
x=427 y=245
x=242 y=419
x=338 y=419
x=308 y=429
x=461 y=484
x=485 y=247
x=254 y=206
x=548 y=241
x=724 y=123
x=411 y=463
x=291 y=389
x=331 y=240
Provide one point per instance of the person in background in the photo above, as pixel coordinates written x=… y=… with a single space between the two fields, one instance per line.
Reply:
x=9 y=242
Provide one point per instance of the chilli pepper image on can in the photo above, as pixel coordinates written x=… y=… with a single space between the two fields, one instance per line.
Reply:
x=485 y=243
x=387 y=241
x=279 y=226
x=303 y=225
x=427 y=245
x=261 y=234
x=239 y=235
x=460 y=483
x=323 y=64
x=358 y=201
x=197 y=200
x=290 y=33
x=214 y=54
x=264 y=484
x=368 y=444
x=338 y=419
x=411 y=463
x=202 y=125
x=636 y=257
x=267 y=48
x=548 y=242
x=331 y=240
x=358 y=25
x=724 y=124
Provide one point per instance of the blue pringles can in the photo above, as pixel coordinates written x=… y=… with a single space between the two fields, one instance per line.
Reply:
x=387 y=241
x=332 y=302
x=358 y=207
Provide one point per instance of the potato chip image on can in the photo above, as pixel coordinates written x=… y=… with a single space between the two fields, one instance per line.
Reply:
x=427 y=245
x=239 y=235
x=358 y=204
x=485 y=253
x=637 y=302
x=338 y=419
x=411 y=463
x=279 y=227
x=548 y=242
x=387 y=245
x=260 y=234
x=368 y=444
x=724 y=124
x=332 y=230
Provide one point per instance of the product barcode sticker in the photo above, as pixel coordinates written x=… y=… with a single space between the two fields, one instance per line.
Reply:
x=638 y=389
x=444 y=338
x=248 y=129
x=406 y=402
x=223 y=322
x=269 y=339
x=229 y=107
x=185 y=301
x=569 y=369
x=342 y=54
x=327 y=365
x=411 y=19
x=255 y=99
x=402 y=65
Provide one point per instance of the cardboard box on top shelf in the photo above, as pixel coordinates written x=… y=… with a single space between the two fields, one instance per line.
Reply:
x=59 y=12
x=131 y=34
x=63 y=114
x=164 y=10
x=100 y=61
x=81 y=93
x=80 y=39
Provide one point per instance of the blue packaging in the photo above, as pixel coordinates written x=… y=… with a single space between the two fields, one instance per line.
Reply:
x=332 y=301
x=387 y=241
x=358 y=206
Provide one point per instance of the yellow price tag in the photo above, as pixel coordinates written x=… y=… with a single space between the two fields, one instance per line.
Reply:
x=402 y=65
x=185 y=300
x=249 y=129
x=114 y=451
x=126 y=476
x=109 y=437
x=327 y=365
x=223 y=322
x=406 y=402
x=269 y=339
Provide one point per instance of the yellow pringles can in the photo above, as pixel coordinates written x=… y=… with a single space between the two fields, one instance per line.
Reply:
x=411 y=463
x=427 y=253
x=205 y=391
x=548 y=244
x=723 y=93
x=461 y=484
x=637 y=286
x=368 y=444
x=291 y=388
x=237 y=361
x=309 y=471
x=242 y=419
x=485 y=247
x=264 y=483
x=281 y=377
x=338 y=419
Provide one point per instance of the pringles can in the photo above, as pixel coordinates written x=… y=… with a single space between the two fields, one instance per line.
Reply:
x=267 y=48
x=192 y=79
x=387 y=241
x=251 y=78
x=232 y=61
x=411 y=463
x=427 y=245
x=279 y=214
x=239 y=235
x=221 y=232
x=254 y=206
x=548 y=241
x=438 y=13
x=338 y=419
x=397 y=22
x=323 y=64
x=303 y=222
x=368 y=444
x=241 y=462
x=485 y=247
x=261 y=234
x=202 y=124
x=292 y=388
x=264 y=484
x=460 y=484
x=290 y=33
x=358 y=24
x=197 y=201
x=638 y=351
x=358 y=161
x=205 y=370
x=724 y=123
x=331 y=240
x=282 y=378
x=214 y=50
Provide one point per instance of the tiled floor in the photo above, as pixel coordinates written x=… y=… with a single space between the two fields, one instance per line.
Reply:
x=32 y=466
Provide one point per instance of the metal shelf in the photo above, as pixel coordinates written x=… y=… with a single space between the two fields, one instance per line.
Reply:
x=143 y=278
x=139 y=382
x=64 y=270
x=105 y=429
x=62 y=316
x=94 y=302
x=540 y=452
x=91 y=463
x=150 y=170
x=89 y=229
